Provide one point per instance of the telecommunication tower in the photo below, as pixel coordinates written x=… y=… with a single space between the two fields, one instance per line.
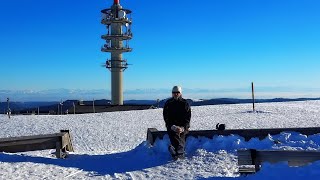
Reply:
x=118 y=22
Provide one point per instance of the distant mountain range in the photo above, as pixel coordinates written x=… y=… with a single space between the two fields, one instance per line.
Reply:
x=47 y=106
x=237 y=101
x=18 y=106
x=146 y=94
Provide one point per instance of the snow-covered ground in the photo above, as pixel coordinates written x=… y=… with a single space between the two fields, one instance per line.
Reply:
x=113 y=145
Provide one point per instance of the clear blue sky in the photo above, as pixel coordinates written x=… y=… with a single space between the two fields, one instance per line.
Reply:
x=208 y=44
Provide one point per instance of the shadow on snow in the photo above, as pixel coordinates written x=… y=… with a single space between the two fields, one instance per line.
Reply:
x=139 y=158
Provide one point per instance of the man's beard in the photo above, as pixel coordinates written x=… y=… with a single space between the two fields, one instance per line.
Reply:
x=176 y=97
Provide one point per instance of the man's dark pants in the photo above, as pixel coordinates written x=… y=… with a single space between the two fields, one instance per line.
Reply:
x=178 y=141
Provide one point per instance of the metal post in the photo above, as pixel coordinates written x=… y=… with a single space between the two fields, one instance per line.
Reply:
x=252 y=87
x=158 y=103
x=0 y=103
x=94 y=110
x=58 y=109
x=61 y=107
x=38 y=110
x=8 y=110
x=74 y=108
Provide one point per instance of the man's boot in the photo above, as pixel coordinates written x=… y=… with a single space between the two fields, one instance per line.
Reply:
x=180 y=153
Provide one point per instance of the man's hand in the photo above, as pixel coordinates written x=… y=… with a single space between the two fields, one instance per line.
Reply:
x=180 y=129
x=177 y=129
x=174 y=128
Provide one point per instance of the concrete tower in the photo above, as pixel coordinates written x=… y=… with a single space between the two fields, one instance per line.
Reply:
x=118 y=23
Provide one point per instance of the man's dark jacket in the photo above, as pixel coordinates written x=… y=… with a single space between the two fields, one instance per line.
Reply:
x=177 y=112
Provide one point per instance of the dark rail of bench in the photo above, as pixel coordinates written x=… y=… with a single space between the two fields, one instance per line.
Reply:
x=59 y=141
x=247 y=134
x=255 y=158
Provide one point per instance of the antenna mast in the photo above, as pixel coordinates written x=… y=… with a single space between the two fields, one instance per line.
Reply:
x=118 y=23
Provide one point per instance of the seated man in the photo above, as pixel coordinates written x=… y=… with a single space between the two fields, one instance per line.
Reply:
x=177 y=115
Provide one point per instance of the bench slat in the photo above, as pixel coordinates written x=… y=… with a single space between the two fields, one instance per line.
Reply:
x=294 y=158
x=246 y=170
x=23 y=138
x=277 y=156
x=247 y=134
x=33 y=141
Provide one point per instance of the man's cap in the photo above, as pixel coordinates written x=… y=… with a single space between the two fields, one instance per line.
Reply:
x=177 y=89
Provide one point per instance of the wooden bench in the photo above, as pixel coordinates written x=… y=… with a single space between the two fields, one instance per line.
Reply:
x=59 y=141
x=255 y=158
x=247 y=134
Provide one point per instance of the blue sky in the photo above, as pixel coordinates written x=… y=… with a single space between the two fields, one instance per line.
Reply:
x=209 y=44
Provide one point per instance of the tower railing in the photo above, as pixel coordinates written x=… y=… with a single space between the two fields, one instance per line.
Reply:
x=125 y=36
x=115 y=49
x=109 y=21
x=116 y=64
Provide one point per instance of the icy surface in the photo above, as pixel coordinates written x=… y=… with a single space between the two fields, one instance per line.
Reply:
x=112 y=145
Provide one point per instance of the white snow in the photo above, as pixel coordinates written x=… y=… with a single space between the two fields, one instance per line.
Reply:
x=113 y=145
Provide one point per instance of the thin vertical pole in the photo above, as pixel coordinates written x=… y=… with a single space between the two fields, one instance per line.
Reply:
x=94 y=110
x=74 y=108
x=4 y=109
x=38 y=110
x=8 y=110
x=61 y=109
x=252 y=87
x=58 y=109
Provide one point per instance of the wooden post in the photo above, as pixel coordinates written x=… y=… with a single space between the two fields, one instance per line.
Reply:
x=150 y=138
x=67 y=139
x=252 y=96
x=59 y=149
